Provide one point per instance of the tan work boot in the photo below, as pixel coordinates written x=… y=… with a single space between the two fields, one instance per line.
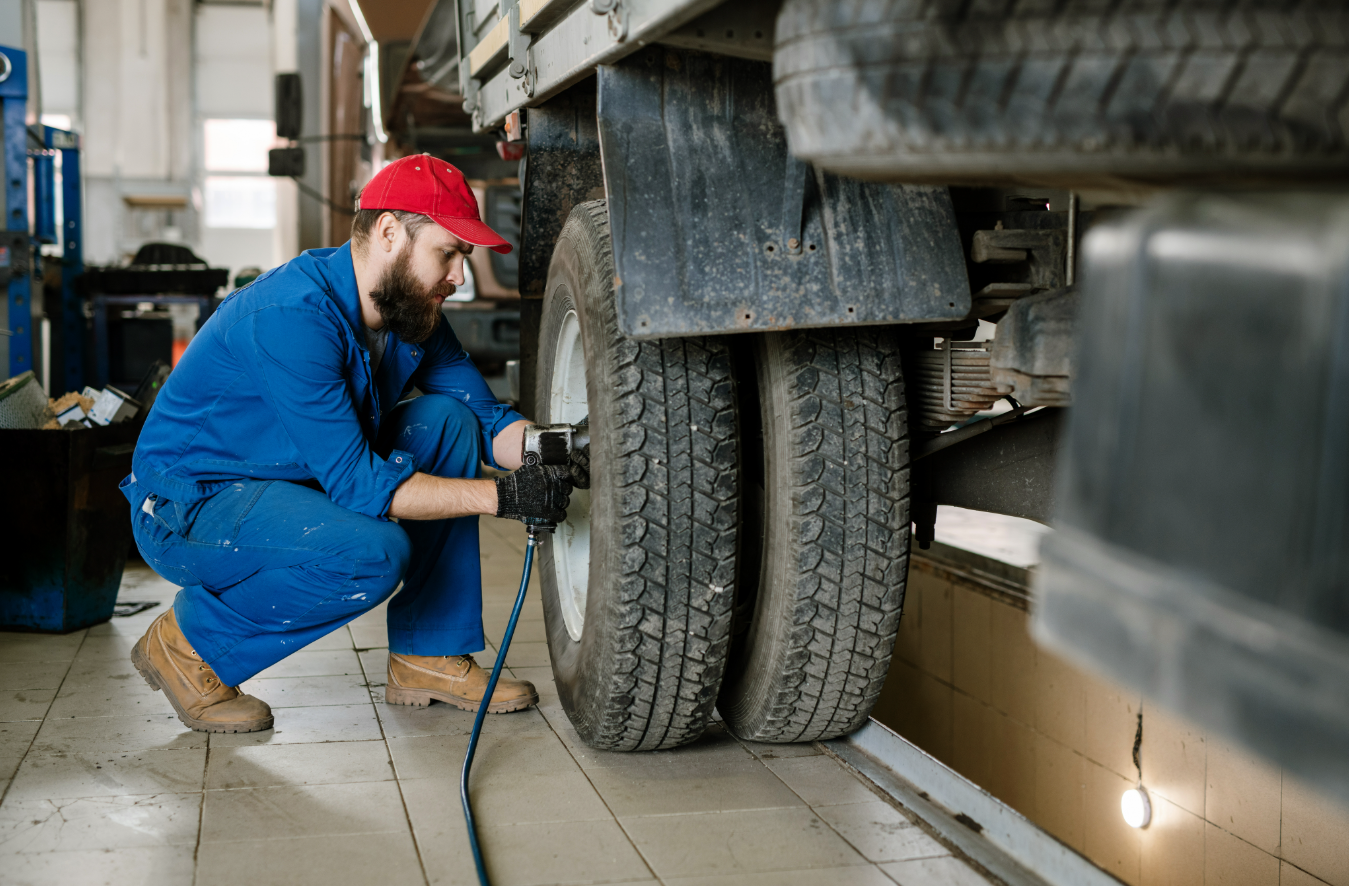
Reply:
x=453 y=679
x=167 y=661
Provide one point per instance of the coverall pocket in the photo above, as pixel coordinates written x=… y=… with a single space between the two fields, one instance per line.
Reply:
x=216 y=521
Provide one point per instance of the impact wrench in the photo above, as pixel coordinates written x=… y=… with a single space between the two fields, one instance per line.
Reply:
x=547 y=445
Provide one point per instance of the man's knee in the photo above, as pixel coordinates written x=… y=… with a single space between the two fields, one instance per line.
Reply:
x=443 y=423
x=381 y=558
x=454 y=415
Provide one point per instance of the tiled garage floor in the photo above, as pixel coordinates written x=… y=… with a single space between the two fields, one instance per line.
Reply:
x=104 y=785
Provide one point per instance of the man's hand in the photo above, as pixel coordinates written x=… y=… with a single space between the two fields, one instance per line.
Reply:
x=540 y=491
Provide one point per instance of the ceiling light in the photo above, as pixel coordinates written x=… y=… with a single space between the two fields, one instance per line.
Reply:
x=1136 y=808
x=371 y=71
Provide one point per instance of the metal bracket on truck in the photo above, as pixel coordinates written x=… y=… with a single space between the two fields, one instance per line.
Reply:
x=571 y=39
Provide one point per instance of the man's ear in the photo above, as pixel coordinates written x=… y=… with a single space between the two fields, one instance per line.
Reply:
x=386 y=231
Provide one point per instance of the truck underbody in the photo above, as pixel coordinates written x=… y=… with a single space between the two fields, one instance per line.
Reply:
x=812 y=269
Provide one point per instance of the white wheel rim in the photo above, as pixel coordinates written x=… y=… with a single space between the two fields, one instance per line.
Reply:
x=571 y=543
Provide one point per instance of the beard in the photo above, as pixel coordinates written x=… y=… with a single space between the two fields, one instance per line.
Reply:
x=409 y=309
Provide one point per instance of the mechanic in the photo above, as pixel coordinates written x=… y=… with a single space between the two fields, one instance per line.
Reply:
x=277 y=452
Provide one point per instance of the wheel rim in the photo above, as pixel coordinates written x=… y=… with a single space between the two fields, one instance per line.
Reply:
x=571 y=543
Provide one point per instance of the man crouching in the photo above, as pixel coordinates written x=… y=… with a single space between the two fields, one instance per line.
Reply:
x=266 y=474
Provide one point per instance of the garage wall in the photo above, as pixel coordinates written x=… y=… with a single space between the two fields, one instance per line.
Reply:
x=233 y=76
x=969 y=686
x=58 y=39
x=137 y=124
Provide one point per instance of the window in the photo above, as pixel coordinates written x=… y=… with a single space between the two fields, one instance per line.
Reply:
x=242 y=197
x=240 y=201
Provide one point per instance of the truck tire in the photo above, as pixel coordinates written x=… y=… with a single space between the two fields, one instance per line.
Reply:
x=637 y=585
x=1149 y=92
x=814 y=635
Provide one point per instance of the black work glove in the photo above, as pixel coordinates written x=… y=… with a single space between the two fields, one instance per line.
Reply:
x=539 y=491
x=579 y=462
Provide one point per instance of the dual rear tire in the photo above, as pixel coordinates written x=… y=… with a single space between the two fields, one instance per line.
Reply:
x=744 y=543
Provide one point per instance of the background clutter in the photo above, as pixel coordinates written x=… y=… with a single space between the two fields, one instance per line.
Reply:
x=25 y=406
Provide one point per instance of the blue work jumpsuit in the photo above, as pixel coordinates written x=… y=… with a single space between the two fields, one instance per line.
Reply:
x=274 y=400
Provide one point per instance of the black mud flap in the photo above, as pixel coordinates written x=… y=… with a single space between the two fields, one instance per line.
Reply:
x=1202 y=546
x=716 y=228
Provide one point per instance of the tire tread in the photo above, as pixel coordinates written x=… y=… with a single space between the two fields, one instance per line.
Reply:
x=677 y=518
x=1148 y=81
x=848 y=536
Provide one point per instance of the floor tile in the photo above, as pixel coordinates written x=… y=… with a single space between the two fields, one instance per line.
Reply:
x=542 y=678
x=315 y=663
x=375 y=665
x=407 y=721
x=274 y=765
x=856 y=875
x=303 y=811
x=766 y=751
x=523 y=752
x=662 y=789
x=39 y=647
x=946 y=871
x=297 y=692
x=526 y=654
x=369 y=636
x=530 y=629
x=505 y=798
x=535 y=854
x=85 y=670
x=100 y=735
x=881 y=832
x=108 y=775
x=527 y=630
x=9 y=764
x=32 y=674
x=738 y=842
x=135 y=625
x=352 y=860
x=108 y=697
x=161 y=864
x=354 y=722
x=99 y=823
x=338 y=639
x=15 y=737
x=821 y=781
x=25 y=704
x=715 y=746
x=109 y=648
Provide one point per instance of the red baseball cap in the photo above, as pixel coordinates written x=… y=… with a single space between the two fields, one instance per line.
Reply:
x=427 y=186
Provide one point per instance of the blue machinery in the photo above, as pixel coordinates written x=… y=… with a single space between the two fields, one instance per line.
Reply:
x=44 y=145
x=56 y=142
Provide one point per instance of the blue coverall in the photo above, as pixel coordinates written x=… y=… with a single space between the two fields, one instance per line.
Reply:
x=274 y=393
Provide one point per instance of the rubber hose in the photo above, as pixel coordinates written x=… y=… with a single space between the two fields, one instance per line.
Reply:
x=482 y=711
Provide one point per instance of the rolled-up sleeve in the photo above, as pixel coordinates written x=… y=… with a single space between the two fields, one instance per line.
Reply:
x=447 y=369
x=296 y=356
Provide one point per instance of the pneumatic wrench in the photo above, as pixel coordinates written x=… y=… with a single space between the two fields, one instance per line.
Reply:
x=552 y=445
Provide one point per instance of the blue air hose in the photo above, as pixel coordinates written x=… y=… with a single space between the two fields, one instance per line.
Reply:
x=534 y=541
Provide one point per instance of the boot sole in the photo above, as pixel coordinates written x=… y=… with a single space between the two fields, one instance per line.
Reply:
x=423 y=697
x=150 y=674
